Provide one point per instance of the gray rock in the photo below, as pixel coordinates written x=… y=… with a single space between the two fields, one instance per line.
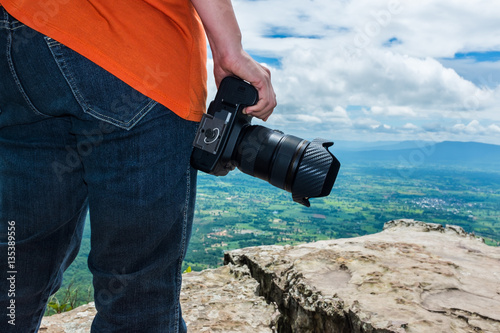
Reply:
x=225 y=300
x=412 y=277
x=218 y=300
x=77 y=320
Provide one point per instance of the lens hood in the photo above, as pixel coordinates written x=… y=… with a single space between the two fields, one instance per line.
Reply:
x=316 y=174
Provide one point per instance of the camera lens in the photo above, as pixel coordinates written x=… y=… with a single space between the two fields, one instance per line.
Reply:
x=306 y=169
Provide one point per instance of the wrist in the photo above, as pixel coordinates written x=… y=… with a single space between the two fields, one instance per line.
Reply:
x=226 y=49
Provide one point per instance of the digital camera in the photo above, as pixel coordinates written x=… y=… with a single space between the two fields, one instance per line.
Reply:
x=226 y=139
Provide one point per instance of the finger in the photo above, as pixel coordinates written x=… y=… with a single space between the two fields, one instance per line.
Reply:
x=265 y=105
x=260 y=110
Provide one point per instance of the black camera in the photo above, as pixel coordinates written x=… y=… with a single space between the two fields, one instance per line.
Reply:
x=226 y=139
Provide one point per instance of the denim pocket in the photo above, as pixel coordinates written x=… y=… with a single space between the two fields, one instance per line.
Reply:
x=98 y=92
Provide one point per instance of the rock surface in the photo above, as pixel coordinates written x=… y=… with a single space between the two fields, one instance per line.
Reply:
x=412 y=277
x=225 y=300
x=218 y=300
x=77 y=320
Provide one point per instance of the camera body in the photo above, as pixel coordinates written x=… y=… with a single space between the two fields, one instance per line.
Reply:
x=226 y=139
x=220 y=127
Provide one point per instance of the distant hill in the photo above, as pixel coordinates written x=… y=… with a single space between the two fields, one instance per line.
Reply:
x=421 y=153
x=379 y=145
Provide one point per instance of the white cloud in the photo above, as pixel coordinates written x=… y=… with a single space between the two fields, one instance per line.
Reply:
x=475 y=128
x=366 y=124
x=471 y=128
x=308 y=119
x=385 y=55
x=396 y=111
x=410 y=126
x=494 y=129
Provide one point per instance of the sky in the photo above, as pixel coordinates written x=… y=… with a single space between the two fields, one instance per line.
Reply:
x=378 y=70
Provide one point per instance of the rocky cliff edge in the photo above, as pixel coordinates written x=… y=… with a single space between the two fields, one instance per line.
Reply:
x=411 y=277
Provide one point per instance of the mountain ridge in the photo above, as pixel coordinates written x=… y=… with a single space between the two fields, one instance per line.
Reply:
x=467 y=154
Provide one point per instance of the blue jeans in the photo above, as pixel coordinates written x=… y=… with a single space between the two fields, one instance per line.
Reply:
x=72 y=138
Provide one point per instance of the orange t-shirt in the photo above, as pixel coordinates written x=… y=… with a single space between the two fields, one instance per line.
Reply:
x=156 y=46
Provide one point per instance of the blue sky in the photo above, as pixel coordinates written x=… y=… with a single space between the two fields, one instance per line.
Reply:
x=379 y=70
x=487 y=56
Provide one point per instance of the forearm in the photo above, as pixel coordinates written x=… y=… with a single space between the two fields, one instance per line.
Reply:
x=229 y=58
x=221 y=27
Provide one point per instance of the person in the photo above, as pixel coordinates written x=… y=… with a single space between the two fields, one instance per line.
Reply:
x=99 y=103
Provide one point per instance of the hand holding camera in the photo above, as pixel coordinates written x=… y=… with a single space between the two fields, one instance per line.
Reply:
x=226 y=139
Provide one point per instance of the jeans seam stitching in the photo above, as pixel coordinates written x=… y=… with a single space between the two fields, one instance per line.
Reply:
x=16 y=78
x=50 y=284
x=17 y=27
x=119 y=123
x=66 y=73
x=183 y=245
